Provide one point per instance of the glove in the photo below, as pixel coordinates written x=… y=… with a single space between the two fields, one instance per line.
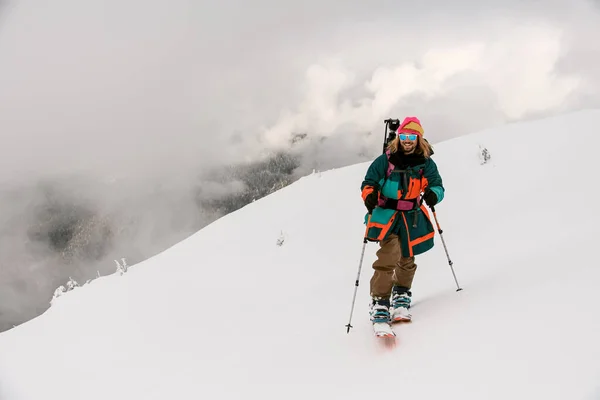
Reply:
x=371 y=201
x=430 y=198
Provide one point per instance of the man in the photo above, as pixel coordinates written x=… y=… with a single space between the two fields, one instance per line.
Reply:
x=394 y=188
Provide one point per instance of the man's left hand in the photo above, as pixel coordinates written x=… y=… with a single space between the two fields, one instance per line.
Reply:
x=430 y=198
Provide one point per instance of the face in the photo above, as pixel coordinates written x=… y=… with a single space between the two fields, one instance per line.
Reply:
x=408 y=142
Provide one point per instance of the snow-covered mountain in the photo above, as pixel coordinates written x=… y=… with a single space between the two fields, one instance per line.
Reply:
x=255 y=304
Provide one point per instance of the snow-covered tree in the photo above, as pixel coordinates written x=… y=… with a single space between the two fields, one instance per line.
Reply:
x=121 y=267
x=71 y=284
x=57 y=293
x=484 y=155
x=281 y=239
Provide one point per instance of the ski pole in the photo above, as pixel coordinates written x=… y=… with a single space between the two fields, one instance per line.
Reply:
x=440 y=231
x=362 y=254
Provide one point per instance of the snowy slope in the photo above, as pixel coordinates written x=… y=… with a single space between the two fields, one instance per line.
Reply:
x=229 y=314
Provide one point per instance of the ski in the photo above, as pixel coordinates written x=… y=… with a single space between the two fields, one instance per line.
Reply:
x=401 y=320
x=383 y=329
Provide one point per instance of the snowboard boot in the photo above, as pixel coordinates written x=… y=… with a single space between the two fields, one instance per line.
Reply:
x=401 y=298
x=380 y=310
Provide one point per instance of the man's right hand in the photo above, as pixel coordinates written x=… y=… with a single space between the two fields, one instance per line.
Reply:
x=371 y=201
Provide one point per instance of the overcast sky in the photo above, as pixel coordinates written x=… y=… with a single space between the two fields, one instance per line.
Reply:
x=132 y=84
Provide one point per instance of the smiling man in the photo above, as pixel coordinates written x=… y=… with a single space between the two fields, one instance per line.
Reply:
x=394 y=188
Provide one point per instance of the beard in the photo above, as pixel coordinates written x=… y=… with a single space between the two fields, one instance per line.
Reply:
x=408 y=147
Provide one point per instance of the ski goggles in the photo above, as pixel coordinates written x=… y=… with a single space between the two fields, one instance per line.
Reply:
x=410 y=136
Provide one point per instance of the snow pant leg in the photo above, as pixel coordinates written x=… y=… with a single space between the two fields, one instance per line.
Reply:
x=405 y=272
x=388 y=257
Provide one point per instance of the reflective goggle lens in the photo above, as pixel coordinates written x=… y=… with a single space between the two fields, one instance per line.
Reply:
x=404 y=136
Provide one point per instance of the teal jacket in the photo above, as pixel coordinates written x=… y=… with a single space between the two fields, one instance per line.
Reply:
x=411 y=221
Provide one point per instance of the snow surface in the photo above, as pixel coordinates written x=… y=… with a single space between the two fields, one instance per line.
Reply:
x=230 y=314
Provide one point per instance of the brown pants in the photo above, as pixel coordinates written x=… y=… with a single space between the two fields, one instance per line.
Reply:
x=391 y=268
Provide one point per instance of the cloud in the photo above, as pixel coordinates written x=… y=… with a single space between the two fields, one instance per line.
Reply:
x=88 y=84
x=519 y=64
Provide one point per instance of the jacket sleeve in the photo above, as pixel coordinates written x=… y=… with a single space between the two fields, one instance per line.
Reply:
x=434 y=179
x=374 y=175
